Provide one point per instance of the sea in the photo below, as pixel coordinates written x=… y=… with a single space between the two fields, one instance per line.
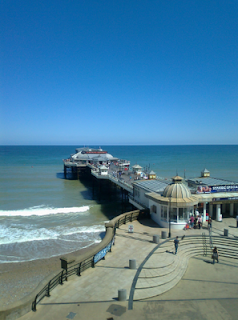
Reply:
x=42 y=214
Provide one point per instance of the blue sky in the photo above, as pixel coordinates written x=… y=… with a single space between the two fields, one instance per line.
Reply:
x=119 y=72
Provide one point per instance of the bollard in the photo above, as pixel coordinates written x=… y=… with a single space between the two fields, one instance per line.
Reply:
x=132 y=264
x=163 y=234
x=226 y=232
x=156 y=238
x=122 y=295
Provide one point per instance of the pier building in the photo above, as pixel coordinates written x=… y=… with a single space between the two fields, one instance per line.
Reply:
x=174 y=205
x=91 y=158
x=171 y=201
x=174 y=202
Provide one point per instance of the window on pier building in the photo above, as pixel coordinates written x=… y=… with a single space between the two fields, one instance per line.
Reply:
x=173 y=214
x=163 y=214
x=184 y=213
x=136 y=192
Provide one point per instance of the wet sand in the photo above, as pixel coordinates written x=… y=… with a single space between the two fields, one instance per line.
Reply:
x=19 y=279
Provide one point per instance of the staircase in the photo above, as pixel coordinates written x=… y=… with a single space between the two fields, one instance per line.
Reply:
x=163 y=270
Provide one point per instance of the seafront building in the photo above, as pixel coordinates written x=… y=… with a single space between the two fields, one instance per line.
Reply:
x=171 y=201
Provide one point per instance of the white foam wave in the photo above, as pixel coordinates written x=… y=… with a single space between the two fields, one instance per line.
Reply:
x=91 y=229
x=16 y=235
x=42 y=211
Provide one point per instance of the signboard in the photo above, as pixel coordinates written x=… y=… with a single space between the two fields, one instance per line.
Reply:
x=94 y=152
x=101 y=254
x=130 y=228
x=222 y=199
x=231 y=188
x=204 y=189
x=215 y=189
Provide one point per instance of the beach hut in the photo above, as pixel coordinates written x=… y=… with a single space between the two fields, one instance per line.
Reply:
x=136 y=169
x=103 y=170
x=152 y=175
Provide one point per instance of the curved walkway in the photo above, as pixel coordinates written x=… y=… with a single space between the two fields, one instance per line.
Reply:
x=94 y=294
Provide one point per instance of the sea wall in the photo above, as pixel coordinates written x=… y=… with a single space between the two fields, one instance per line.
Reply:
x=25 y=305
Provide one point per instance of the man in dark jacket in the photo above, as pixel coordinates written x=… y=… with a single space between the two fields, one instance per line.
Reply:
x=176 y=242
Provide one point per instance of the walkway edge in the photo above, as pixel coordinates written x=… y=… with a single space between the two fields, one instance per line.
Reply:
x=132 y=291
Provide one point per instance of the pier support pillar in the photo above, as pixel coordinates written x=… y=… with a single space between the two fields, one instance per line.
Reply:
x=231 y=209
x=210 y=209
x=223 y=208
x=218 y=212
x=204 y=211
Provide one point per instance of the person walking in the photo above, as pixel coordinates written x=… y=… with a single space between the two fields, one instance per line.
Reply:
x=199 y=222
x=215 y=255
x=192 y=221
x=176 y=242
x=209 y=223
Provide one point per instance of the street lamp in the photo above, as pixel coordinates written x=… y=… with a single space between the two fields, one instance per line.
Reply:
x=169 y=218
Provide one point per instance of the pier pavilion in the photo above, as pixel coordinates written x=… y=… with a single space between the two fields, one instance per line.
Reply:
x=175 y=205
x=175 y=201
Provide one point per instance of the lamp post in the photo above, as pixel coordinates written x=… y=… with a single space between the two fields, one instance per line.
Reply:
x=169 y=218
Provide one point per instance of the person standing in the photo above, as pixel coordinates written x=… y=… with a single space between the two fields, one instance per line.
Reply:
x=215 y=255
x=176 y=242
x=237 y=221
x=199 y=222
x=195 y=222
x=192 y=221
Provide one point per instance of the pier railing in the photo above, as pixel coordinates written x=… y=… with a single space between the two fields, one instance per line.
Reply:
x=89 y=260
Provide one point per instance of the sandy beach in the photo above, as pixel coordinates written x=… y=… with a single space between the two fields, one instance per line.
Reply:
x=19 y=279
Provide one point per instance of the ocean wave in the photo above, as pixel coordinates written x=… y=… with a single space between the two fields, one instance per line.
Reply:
x=10 y=235
x=42 y=211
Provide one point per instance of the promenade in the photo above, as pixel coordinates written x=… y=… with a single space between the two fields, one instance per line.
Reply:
x=205 y=291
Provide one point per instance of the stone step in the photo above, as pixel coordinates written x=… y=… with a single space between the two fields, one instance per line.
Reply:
x=158 y=272
x=159 y=261
x=160 y=279
x=141 y=294
x=161 y=273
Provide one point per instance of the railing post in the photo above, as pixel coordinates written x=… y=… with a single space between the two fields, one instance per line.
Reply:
x=131 y=217
x=79 y=270
x=33 y=308
x=61 y=278
x=48 y=289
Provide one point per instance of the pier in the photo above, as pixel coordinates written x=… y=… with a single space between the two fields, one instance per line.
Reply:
x=171 y=201
x=106 y=178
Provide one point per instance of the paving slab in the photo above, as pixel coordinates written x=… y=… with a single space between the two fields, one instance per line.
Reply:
x=206 y=291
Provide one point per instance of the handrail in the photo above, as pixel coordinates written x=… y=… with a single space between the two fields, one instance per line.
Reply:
x=90 y=261
x=204 y=244
x=210 y=236
x=130 y=196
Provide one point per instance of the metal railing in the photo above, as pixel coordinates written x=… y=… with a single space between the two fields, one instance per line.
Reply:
x=130 y=196
x=132 y=216
x=210 y=237
x=204 y=241
x=61 y=277
x=89 y=262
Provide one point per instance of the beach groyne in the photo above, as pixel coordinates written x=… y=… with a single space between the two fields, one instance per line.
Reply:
x=77 y=265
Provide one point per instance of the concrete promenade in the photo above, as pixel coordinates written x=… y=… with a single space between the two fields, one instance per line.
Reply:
x=205 y=291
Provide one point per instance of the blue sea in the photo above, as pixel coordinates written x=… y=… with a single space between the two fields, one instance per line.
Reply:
x=44 y=215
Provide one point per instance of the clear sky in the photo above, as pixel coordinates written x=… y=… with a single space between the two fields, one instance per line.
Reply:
x=97 y=72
